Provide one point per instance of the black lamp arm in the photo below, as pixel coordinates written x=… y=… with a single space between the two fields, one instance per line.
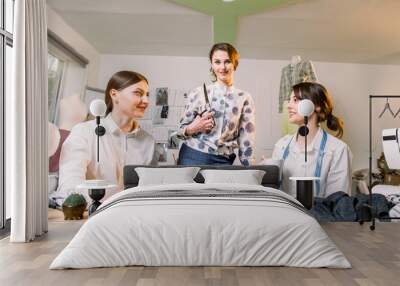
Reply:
x=100 y=131
x=305 y=138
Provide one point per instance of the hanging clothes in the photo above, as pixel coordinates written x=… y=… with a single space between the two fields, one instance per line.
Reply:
x=292 y=74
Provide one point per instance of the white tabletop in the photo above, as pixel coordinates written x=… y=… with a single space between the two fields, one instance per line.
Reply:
x=304 y=178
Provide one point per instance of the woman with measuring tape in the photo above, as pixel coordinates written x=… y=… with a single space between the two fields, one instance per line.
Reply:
x=218 y=118
x=328 y=157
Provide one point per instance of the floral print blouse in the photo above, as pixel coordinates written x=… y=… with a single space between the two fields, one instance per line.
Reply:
x=234 y=116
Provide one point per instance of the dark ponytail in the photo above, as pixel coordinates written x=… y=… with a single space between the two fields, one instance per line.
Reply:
x=336 y=124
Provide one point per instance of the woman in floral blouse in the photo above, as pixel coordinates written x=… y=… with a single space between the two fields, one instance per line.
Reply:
x=213 y=131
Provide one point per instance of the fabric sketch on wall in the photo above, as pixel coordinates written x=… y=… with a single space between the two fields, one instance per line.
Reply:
x=162 y=96
x=158 y=115
x=173 y=140
x=292 y=74
x=164 y=112
x=162 y=150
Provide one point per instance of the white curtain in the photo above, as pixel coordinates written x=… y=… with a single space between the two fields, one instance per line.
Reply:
x=26 y=117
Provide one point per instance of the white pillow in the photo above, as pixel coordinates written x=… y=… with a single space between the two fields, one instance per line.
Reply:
x=249 y=177
x=162 y=176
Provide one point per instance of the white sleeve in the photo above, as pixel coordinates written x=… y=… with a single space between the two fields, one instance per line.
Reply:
x=276 y=154
x=192 y=108
x=339 y=175
x=74 y=160
x=248 y=135
x=279 y=147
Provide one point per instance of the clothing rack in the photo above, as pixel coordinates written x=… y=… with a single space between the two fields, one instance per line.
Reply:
x=371 y=97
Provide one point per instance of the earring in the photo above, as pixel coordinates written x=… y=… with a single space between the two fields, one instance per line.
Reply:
x=212 y=75
x=116 y=101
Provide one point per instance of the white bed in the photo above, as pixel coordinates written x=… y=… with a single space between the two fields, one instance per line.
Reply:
x=225 y=225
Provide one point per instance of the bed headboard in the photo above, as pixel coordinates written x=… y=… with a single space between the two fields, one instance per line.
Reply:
x=270 y=179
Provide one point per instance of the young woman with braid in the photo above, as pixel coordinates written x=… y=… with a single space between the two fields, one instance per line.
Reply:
x=328 y=157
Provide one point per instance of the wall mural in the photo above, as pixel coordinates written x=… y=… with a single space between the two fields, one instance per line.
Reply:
x=211 y=124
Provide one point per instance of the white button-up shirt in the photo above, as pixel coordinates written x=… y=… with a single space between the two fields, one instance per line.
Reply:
x=78 y=159
x=335 y=170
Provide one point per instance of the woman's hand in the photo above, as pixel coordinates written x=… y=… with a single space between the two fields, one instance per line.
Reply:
x=263 y=160
x=201 y=124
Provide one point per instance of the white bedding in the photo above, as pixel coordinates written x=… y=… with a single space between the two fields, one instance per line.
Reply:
x=182 y=231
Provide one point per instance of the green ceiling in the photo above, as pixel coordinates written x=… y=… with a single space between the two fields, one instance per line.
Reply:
x=226 y=14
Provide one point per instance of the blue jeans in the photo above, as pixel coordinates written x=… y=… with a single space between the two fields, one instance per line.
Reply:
x=189 y=157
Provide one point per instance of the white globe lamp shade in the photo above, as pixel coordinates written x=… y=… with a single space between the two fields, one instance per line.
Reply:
x=305 y=107
x=98 y=107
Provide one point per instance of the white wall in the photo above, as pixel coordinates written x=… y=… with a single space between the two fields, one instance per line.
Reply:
x=350 y=85
x=58 y=26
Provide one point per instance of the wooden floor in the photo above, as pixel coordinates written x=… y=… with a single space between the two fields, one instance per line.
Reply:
x=375 y=257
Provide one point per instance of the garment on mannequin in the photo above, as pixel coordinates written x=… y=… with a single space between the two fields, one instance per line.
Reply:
x=295 y=60
x=295 y=72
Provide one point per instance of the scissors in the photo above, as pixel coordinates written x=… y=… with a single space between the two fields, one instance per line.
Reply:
x=207 y=106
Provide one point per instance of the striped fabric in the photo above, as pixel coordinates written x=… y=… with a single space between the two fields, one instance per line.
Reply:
x=395 y=212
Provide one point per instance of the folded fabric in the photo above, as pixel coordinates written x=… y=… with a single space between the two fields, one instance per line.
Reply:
x=338 y=206
x=341 y=207
x=386 y=190
x=380 y=205
x=321 y=212
x=394 y=199
x=395 y=212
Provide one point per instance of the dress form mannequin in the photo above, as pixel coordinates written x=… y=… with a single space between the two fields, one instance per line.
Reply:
x=72 y=111
x=295 y=60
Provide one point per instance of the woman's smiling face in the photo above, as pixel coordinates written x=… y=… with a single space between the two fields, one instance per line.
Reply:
x=133 y=100
x=294 y=116
x=222 y=66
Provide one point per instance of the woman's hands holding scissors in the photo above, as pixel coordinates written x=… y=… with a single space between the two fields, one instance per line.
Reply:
x=203 y=123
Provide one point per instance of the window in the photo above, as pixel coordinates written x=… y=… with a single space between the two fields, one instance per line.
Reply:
x=56 y=70
x=67 y=74
x=9 y=15
x=8 y=73
x=6 y=63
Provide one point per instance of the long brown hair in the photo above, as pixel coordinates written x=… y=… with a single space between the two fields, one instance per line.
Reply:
x=119 y=81
x=321 y=98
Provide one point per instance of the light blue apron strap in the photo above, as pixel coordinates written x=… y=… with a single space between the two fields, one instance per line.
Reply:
x=284 y=157
x=318 y=167
x=286 y=152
